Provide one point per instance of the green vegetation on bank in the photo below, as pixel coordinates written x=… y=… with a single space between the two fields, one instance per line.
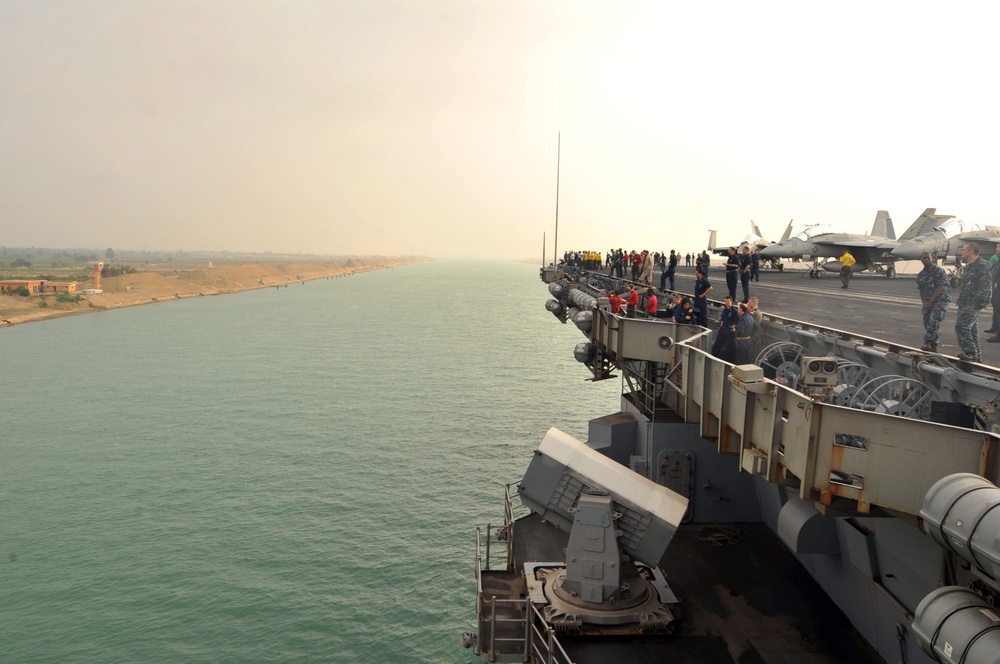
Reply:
x=21 y=276
x=46 y=259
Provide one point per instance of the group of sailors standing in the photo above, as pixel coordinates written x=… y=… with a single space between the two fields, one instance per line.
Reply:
x=641 y=264
x=739 y=324
x=980 y=286
x=739 y=321
x=744 y=268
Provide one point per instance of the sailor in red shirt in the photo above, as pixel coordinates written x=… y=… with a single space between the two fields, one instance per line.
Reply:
x=632 y=302
x=615 y=301
x=651 y=304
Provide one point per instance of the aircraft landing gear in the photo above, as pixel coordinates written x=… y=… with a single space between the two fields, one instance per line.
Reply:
x=890 y=272
x=955 y=276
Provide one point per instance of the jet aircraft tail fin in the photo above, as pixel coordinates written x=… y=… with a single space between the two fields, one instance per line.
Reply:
x=925 y=223
x=711 y=240
x=883 y=225
x=788 y=231
x=755 y=230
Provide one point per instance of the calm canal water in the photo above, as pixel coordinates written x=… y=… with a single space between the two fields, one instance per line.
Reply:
x=290 y=475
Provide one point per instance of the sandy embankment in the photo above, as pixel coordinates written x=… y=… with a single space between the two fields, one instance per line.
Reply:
x=157 y=286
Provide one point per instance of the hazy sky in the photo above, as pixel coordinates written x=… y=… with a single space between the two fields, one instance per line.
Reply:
x=430 y=126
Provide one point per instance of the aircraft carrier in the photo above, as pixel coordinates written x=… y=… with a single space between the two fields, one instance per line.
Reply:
x=833 y=501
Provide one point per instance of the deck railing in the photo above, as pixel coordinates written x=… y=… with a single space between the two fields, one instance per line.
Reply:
x=532 y=639
x=535 y=642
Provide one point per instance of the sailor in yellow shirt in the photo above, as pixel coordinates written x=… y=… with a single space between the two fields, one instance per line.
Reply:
x=846 y=263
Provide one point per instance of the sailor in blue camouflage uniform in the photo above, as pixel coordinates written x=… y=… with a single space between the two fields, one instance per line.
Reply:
x=935 y=294
x=974 y=296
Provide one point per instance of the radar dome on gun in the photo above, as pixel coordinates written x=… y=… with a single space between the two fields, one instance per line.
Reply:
x=614 y=518
x=560 y=453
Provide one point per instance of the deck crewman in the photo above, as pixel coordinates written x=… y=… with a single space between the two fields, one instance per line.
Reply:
x=746 y=264
x=974 y=295
x=935 y=294
x=632 y=302
x=746 y=328
x=732 y=272
x=701 y=290
x=652 y=304
x=725 y=346
x=846 y=263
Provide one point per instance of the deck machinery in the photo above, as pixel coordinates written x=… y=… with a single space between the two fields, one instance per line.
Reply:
x=835 y=500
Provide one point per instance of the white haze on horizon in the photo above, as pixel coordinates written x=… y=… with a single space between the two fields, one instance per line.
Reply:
x=429 y=126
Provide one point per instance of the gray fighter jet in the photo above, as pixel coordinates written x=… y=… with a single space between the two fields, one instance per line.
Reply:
x=872 y=251
x=947 y=237
x=754 y=240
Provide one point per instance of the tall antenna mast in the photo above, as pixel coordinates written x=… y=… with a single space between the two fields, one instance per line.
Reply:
x=555 y=241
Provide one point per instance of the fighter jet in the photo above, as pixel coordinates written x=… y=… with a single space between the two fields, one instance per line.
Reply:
x=872 y=251
x=754 y=240
x=947 y=237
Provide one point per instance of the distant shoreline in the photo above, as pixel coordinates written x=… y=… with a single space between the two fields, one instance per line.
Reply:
x=147 y=287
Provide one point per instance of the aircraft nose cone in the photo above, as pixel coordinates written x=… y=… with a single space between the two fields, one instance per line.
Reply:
x=910 y=250
x=770 y=252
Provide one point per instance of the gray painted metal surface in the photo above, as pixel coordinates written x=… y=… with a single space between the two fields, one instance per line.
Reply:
x=843 y=473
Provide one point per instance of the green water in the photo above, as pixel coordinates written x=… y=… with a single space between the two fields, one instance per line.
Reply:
x=290 y=475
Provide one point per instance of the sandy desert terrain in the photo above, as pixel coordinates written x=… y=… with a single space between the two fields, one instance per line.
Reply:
x=145 y=287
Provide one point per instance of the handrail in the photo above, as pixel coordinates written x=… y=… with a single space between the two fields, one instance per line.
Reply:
x=843 y=335
x=779 y=432
x=508 y=524
x=539 y=642
x=555 y=653
x=479 y=567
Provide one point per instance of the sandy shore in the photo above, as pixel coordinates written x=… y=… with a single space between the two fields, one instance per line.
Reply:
x=157 y=286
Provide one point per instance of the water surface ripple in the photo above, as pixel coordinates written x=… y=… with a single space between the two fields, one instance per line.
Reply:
x=282 y=475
